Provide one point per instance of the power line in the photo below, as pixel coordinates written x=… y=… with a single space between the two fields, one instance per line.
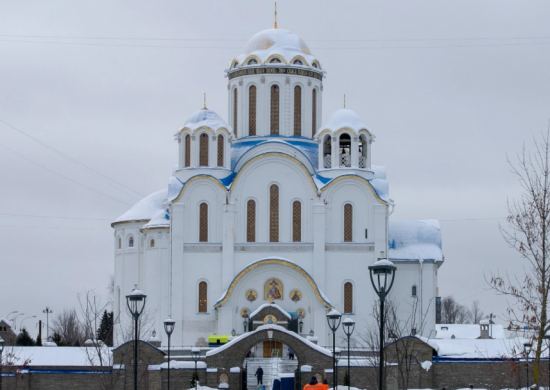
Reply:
x=54 y=217
x=72 y=159
x=64 y=177
x=51 y=227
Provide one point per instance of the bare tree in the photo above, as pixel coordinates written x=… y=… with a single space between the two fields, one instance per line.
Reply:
x=453 y=312
x=67 y=325
x=476 y=314
x=528 y=233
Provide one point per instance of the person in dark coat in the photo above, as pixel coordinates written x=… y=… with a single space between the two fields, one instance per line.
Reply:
x=259 y=374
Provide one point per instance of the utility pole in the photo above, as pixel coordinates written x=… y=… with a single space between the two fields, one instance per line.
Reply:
x=48 y=311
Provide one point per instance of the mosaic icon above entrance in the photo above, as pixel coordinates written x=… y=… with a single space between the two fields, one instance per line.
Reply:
x=251 y=295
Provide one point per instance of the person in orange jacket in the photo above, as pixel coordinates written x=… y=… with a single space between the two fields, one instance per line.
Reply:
x=325 y=384
x=314 y=385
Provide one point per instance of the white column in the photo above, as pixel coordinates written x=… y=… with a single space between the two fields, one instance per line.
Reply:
x=213 y=151
x=319 y=240
x=228 y=243
x=335 y=152
x=380 y=240
x=175 y=279
x=354 y=150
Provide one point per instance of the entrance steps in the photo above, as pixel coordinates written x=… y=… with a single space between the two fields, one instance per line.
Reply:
x=272 y=368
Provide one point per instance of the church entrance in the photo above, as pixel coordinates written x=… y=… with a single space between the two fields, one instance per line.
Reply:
x=272 y=349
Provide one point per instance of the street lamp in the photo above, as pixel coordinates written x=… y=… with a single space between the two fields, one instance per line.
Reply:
x=301 y=322
x=10 y=313
x=245 y=322
x=2 y=342
x=136 y=303
x=23 y=320
x=233 y=333
x=349 y=327
x=15 y=320
x=527 y=349
x=379 y=274
x=196 y=352
x=334 y=318
x=47 y=311
x=311 y=333
x=337 y=354
x=169 y=328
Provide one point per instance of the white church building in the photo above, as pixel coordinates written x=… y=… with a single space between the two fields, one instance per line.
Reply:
x=272 y=204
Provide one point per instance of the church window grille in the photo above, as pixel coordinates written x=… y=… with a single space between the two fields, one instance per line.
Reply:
x=220 y=150
x=152 y=243
x=251 y=221
x=274 y=110
x=252 y=62
x=252 y=110
x=313 y=112
x=274 y=213
x=235 y=111
x=413 y=292
x=203 y=222
x=275 y=61
x=348 y=223
x=297 y=110
x=203 y=297
x=203 y=150
x=131 y=242
x=119 y=243
x=187 y=150
x=296 y=221
x=348 y=297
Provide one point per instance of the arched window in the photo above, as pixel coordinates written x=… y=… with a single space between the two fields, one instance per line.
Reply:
x=348 y=297
x=152 y=243
x=252 y=110
x=251 y=221
x=313 y=112
x=203 y=150
x=274 y=213
x=327 y=155
x=296 y=221
x=348 y=223
x=274 y=129
x=297 y=110
x=203 y=222
x=413 y=292
x=203 y=297
x=252 y=62
x=363 y=151
x=298 y=62
x=275 y=61
x=119 y=243
x=235 y=110
x=220 y=150
x=187 y=150
x=345 y=150
x=131 y=241
x=315 y=65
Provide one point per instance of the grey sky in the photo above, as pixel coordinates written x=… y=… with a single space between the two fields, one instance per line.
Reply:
x=445 y=94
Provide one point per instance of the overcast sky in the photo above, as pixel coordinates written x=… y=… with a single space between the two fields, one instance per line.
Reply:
x=448 y=87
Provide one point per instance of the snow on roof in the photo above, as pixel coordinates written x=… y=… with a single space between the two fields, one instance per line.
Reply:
x=467 y=331
x=206 y=118
x=276 y=41
x=61 y=356
x=161 y=218
x=477 y=348
x=273 y=305
x=344 y=118
x=174 y=188
x=384 y=262
x=413 y=240
x=7 y=322
x=144 y=209
x=178 y=364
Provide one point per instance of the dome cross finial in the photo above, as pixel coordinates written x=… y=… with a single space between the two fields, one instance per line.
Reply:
x=204 y=108
x=275 y=26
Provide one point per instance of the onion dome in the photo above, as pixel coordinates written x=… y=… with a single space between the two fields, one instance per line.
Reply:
x=275 y=47
x=344 y=119
x=206 y=118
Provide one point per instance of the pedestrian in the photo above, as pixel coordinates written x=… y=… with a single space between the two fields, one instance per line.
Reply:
x=290 y=354
x=259 y=374
x=314 y=385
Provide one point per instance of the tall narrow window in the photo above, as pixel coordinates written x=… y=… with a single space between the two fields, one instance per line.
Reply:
x=119 y=243
x=313 y=112
x=348 y=297
x=235 y=111
x=413 y=292
x=274 y=129
x=152 y=243
x=203 y=222
x=251 y=221
x=203 y=297
x=348 y=223
x=187 y=150
x=273 y=213
x=296 y=221
x=297 y=110
x=220 y=150
x=203 y=150
x=131 y=241
x=252 y=110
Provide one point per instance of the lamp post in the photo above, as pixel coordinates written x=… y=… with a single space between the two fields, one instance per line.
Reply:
x=334 y=318
x=10 y=313
x=168 y=328
x=196 y=352
x=2 y=342
x=300 y=323
x=136 y=303
x=311 y=333
x=337 y=354
x=349 y=327
x=21 y=326
x=15 y=320
x=379 y=273
x=527 y=349
x=547 y=338
x=245 y=322
x=48 y=311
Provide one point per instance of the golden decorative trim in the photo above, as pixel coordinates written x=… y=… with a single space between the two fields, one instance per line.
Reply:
x=223 y=129
x=345 y=129
x=233 y=61
x=204 y=128
x=131 y=221
x=250 y=57
x=273 y=261
x=324 y=131
x=275 y=56
x=330 y=183
x=201 y=176
x=364 y=131
x=185 y=129
x=298 y=57
x=154 y=228
x=269 y=154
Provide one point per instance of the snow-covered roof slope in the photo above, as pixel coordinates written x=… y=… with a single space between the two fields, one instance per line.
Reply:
x=413 y=240
x=276 y=41
x=477 y=348
x=344 y=118
x=58 y=356
x=467 y=331
x=206 y=118
x=273 y=305
x=145 y=209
